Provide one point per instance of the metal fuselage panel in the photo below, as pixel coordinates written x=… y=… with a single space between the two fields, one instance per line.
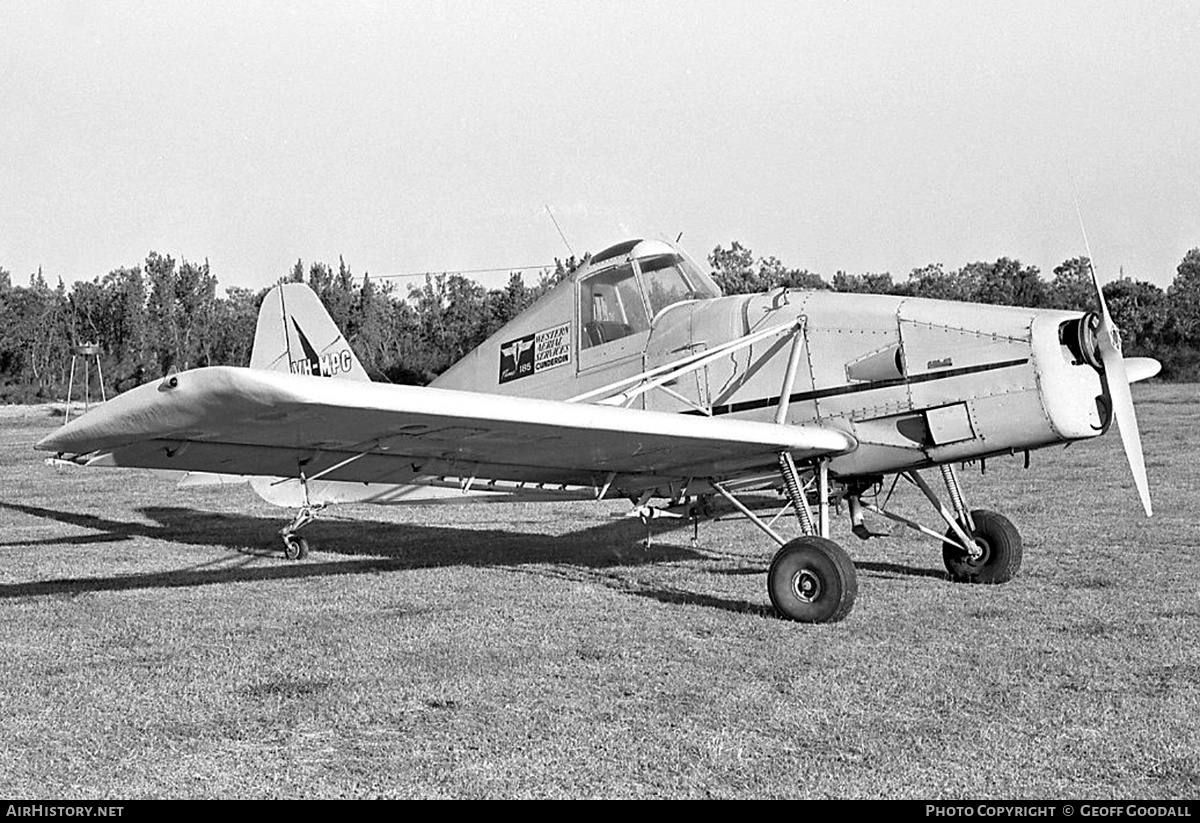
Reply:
x=914 y=381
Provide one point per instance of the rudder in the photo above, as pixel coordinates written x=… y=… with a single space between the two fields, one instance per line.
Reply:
x=296 y=334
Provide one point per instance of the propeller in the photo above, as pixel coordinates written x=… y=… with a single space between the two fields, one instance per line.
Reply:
x=1108 y=342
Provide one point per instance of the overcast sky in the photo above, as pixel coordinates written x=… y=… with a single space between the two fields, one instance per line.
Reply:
x=406 y=136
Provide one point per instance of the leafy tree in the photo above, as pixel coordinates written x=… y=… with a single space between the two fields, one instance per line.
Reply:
x=367 y=326
x=1140 y=311
x=866 y=283
x=737 y=272
x=35 y=346
x=336 y=290
x=196 y=292
x=1007 y=283
x=450 y=320
x=733 y=269
x=935 y=282
x=1072 y=287
x=181 y=304
x=502 y=305
x=162 y=306
x=236 y=319
x=126 y=343
x=1184 y=300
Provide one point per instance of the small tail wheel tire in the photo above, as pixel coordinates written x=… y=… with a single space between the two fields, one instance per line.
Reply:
x=1001 y=551
x=812 y=580
x=295 y=547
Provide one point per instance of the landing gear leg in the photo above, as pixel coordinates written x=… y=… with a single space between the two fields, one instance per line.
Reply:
x=994 y=555
x=980 y=546
x=811 y=579
x=295 y=547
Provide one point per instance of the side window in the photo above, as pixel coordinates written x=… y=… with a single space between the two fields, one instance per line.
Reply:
x=610 y=307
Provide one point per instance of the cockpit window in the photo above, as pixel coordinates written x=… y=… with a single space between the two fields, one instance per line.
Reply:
x=611 y=306
x=665 y=282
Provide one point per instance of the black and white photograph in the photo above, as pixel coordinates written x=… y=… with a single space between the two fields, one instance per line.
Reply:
x=600 y=400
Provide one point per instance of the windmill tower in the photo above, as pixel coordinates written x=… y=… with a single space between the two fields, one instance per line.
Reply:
x=88 y=351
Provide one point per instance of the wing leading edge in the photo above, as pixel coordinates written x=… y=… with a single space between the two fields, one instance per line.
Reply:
x=245 y=421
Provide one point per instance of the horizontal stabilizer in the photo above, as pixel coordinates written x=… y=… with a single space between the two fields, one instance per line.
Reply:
x=201 y=480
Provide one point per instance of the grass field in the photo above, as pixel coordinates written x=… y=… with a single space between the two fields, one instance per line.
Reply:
x=155 y=644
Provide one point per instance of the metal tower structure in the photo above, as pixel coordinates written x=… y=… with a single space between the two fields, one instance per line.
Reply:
x=87 y=351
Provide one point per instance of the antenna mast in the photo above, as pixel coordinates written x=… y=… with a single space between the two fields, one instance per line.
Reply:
x=560 y=231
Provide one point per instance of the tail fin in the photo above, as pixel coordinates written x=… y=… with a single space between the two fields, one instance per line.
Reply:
x=295 y=334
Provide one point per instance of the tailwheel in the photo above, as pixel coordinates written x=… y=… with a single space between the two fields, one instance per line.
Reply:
x=999 y=557
x=295 y=547
x=812 y=580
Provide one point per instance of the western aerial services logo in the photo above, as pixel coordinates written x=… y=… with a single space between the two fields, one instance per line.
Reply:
x=329 y=364
x=535 y=353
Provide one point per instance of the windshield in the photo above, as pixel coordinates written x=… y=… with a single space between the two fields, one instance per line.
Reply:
x=669 y=278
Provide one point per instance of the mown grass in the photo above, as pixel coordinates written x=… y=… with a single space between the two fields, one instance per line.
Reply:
x=155 y=645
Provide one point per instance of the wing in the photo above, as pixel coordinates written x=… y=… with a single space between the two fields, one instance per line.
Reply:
x=247 y=421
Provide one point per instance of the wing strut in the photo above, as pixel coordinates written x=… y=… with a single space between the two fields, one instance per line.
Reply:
x=789 y=377
x=751 y=516
x=655 y=378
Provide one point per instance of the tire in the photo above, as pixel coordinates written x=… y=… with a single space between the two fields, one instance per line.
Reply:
x=812 y=580
x=295 y=548
x=1002 y=551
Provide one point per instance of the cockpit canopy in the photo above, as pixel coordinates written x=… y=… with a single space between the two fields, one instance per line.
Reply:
x=627 y=286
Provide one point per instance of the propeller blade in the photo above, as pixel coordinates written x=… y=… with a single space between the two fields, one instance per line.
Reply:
x=1108 y=340
x=1122 y=400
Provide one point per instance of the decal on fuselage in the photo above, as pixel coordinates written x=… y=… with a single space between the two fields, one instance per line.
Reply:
x=537 y=352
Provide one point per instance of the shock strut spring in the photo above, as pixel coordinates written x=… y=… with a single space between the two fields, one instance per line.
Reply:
x=791 y=482
x=956 y=498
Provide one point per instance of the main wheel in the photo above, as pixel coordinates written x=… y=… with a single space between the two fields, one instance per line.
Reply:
x=812 y=580
x=295 y=547
x=1001 y=544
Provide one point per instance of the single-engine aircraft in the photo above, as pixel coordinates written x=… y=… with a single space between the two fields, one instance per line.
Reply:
x=636 y=378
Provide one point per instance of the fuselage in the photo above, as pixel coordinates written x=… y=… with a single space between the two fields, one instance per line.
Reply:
x=914 y=381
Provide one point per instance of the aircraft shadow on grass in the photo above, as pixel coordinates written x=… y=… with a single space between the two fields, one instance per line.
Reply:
x=368 y=547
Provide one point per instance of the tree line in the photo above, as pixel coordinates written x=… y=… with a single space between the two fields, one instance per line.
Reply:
x=1153 y=322
x=167 y=314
